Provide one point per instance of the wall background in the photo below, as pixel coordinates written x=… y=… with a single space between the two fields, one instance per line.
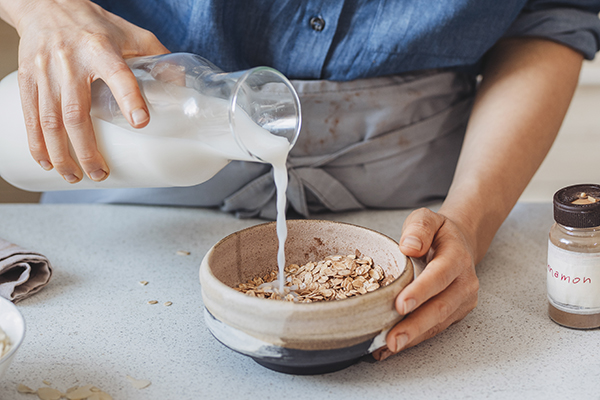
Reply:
x=571 y=160
x=9 y=42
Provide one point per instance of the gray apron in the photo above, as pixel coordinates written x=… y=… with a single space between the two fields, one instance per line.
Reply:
x=388 y=142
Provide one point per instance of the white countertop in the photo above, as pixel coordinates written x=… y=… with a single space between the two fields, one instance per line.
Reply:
x=93 y=325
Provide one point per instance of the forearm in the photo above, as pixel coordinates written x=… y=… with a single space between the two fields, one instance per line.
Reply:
x=526 y=90
x=5 y=13
x=11 y=11
x=14 y=12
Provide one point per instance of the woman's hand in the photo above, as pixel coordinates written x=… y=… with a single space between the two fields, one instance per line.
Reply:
x=66 y=45
x=446 y=290
x=526 y=89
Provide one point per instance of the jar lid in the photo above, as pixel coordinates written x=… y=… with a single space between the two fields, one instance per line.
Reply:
x=578 y=206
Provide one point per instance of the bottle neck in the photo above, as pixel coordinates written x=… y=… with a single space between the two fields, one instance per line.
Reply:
x=263 y=99
x=582 y=240
x=569 y=230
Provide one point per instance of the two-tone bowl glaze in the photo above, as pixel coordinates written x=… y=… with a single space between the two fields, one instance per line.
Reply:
x=300 y=338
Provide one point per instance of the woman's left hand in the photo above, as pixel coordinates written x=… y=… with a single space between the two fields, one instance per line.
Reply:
x=446 y=290
x=510 y=130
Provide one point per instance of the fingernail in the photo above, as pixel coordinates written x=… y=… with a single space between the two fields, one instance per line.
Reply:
x=401 y=341
x=71 y=178
x=409 y=305
x=46 y=165
x=98 y=175
x=384 y=354
x=412 y=242
x=139 y=116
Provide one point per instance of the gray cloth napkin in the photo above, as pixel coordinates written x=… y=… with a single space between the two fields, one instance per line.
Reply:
x=22 y=272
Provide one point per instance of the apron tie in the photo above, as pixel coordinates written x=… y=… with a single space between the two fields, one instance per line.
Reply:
x=312 y=183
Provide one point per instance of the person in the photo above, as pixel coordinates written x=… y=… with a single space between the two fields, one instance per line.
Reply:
x=394 y=114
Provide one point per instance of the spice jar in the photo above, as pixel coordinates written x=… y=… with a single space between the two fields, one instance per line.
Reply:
x=573 y=276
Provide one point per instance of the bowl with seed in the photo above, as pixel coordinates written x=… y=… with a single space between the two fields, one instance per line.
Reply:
x=333 y=306
x=12 y=332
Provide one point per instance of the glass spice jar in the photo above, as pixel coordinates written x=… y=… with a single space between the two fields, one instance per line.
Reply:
x=573 y=276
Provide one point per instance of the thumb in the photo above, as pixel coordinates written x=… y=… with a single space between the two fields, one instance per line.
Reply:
x=418 y=232
x=141 y=42
x=153 y=46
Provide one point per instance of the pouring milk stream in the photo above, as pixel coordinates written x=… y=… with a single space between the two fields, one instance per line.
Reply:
x=200 y=120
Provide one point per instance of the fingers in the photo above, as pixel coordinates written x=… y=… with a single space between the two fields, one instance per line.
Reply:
x=76 y=105
x=451 y=259
x=150 y=44
x=56 y=105
x=35 y=137
x=434 y=316
x=63 y=48
x=445 y=292
x=57 y=115
x=426 y=226
x=418 y=232
x=53 y=130
x=381 y=353
x=122 y=83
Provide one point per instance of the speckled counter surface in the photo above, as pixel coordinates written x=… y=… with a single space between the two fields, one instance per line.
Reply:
x=93 y=323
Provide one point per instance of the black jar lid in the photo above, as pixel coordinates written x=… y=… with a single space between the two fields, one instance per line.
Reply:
x=568 y=212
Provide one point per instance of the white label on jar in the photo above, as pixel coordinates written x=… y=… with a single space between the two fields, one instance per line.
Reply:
x=573 y=279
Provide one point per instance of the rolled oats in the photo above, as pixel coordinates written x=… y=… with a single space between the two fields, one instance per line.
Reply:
x=25 y=389
x=48 y=393
x=138 y=383
x=5 y=344
x=82 y=392
x=336 y=277
x=87 y=392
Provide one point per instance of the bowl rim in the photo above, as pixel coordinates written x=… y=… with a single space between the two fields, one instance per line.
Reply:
x=15 y=346
x=408 y=270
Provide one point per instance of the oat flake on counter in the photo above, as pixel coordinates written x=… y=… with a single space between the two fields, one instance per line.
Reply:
x=87 y=392
x=138 y=383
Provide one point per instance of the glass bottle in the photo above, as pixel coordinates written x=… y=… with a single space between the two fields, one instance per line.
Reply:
x=573 y=269
x=201 y=118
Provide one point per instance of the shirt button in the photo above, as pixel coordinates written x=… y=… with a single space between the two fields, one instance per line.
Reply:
x=317 y=23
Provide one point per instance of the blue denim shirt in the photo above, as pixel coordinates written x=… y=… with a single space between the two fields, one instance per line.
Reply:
x=350 y=39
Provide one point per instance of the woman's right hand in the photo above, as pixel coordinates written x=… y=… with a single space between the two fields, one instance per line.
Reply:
x=65 y=45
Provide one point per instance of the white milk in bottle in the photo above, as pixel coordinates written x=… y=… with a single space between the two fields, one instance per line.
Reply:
x=169 y=151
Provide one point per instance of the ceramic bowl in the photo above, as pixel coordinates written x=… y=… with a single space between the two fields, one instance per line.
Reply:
x=300 y=338
x=13 y=324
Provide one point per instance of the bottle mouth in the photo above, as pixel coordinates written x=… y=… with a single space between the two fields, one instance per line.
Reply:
x=263 y=97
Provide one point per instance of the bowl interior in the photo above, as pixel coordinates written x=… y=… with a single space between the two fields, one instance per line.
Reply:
x=252 y=252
